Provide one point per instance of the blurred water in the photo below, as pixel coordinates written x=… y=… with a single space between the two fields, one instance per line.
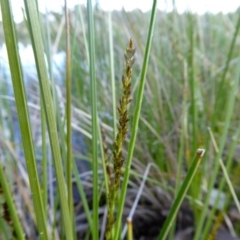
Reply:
x=28 y=64
x=30 y=79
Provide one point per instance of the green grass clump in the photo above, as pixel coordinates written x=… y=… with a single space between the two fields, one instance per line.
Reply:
x=184 y=98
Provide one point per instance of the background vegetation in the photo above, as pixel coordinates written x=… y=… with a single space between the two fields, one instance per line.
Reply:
x=190 y=101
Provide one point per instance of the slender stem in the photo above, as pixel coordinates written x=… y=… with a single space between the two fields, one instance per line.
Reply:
x=118 y=159
x=182 y=192
x=11 y=206
x=94 y=118
x=130 y=229
x=44 y=159
x=135 y=120
x=68 y=114
x=228 y=114
x=112 y=74
x=36 y=38
x=82 y=195
x=218 y=101
x=22 y=110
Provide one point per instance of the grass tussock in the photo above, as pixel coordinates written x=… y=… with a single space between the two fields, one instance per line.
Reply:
x=76 y=166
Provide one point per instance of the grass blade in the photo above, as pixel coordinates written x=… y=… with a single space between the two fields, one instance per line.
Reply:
x=83 y=196
x=228 y=115
x=182 y=192
x=94 y=118
x=68 y=114
x=35 y=32
x=112 y=74
x=218 y=99
x=22 y=111
x=11 y=206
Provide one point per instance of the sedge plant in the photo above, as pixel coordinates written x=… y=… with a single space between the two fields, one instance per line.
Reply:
x=118 y=160
x=188 y=82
